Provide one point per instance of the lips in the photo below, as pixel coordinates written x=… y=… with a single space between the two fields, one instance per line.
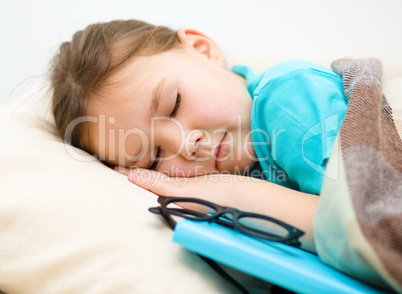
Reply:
x=220 y=150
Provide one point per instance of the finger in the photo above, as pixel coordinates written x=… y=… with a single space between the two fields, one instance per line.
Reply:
x=156 y=182
x=121 y=169
x=125 y=170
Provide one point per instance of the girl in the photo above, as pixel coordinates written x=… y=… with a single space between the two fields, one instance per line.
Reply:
x=164 y=101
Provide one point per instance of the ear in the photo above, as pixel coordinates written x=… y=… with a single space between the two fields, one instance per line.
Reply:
x=201 y=44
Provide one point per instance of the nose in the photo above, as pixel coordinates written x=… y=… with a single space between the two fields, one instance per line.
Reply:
x=177 y=140
x=191 y=144
x=185 y=144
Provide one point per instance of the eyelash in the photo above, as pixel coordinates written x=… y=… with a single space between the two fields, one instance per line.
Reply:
x=173 y=114
x=177 y=105
x=157 y=156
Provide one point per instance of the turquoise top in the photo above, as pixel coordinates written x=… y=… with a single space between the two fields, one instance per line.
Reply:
x=298 y=108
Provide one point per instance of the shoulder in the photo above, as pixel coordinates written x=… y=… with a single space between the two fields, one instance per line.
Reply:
x=292 y=74
x=298 y=93
x=287 y=66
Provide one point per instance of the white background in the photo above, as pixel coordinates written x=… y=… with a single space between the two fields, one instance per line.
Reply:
x=255 y=32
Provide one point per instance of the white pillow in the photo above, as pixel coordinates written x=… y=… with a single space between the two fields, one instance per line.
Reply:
x=69 y=224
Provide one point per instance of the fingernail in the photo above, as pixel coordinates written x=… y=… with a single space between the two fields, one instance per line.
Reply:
x=120 y=169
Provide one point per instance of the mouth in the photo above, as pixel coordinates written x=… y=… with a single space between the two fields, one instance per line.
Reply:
x=220 y=150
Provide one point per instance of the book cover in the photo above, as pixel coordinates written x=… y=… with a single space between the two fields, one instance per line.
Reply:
x=289 y=267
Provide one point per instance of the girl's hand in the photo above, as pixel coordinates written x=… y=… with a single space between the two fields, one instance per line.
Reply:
x=217 y=188
x=244 y=193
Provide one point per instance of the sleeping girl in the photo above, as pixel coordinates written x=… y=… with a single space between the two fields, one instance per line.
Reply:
x=164 y=108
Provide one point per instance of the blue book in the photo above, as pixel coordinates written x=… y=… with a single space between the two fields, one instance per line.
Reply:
x=276 y=263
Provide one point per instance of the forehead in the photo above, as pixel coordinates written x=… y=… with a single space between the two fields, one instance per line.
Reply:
x=144 y=67
x=119 y=128
x=133 y=78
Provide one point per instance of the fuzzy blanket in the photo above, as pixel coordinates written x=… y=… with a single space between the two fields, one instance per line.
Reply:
x=358 y=223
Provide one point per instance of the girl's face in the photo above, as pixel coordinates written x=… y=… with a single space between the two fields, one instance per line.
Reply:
x=180 y=112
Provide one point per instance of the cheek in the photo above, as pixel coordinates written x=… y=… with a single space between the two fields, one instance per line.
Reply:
x=211 y=113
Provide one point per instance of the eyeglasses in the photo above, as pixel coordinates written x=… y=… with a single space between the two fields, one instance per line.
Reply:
x=251 y=224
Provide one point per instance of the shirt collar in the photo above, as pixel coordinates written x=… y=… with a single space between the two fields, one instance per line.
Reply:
x=252 y=79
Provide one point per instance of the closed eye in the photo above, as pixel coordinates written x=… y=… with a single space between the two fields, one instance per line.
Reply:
x=157 y=159
x=173 y=114
x=177 y=105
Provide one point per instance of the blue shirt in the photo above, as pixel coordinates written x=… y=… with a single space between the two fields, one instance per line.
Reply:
x=298 y=108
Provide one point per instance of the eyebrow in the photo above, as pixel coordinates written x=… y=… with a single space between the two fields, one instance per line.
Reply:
x=156 y=95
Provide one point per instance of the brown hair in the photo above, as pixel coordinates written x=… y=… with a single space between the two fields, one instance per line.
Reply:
x=80 y=66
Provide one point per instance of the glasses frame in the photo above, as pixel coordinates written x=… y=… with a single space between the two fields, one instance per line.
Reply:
x=292 y=237
x=167 y=213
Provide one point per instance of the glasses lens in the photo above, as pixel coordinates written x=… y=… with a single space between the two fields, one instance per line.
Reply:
x=256 y=225
x=190 y=210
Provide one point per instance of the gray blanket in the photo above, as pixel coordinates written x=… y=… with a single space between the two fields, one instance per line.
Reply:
x=358 y=224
